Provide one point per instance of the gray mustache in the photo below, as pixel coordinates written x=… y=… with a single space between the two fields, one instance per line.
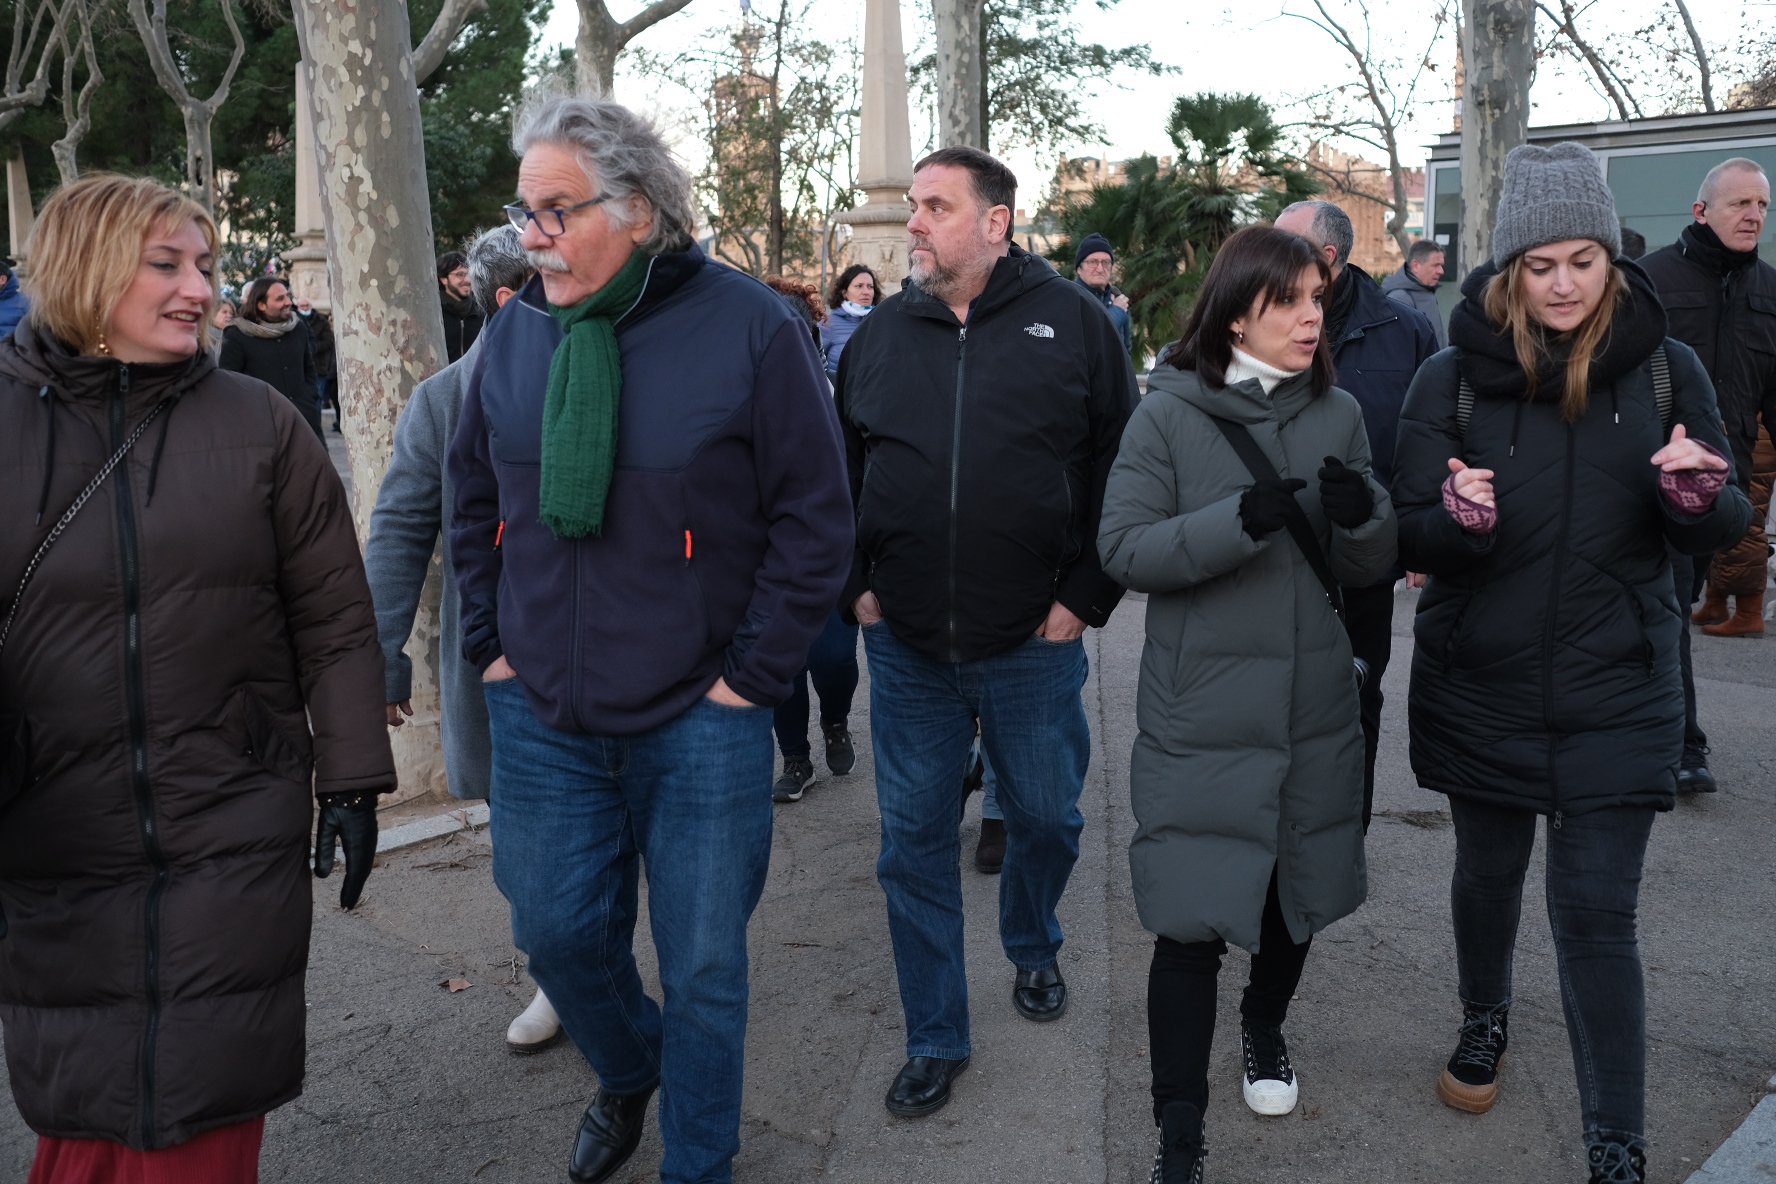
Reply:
x=544 y=259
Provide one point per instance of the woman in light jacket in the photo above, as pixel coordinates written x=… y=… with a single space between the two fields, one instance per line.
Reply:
x=1541 y=479
x=853 y=297
x=1247 y=771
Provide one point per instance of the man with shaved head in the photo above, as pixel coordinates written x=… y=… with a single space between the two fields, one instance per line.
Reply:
x=1377 y=345
x=1720 y=299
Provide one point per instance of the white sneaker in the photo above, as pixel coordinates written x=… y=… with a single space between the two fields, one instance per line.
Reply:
x=536 y=1028
x=1269 y=1086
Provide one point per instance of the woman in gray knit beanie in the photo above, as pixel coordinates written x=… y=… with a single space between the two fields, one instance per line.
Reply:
x=1544 y=466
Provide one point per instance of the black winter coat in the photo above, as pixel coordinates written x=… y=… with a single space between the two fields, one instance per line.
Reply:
x=286 y=363
x=978 y=456
x=1380 y=346
x=1723 y=305
x=196 y=656
x=1545 y=675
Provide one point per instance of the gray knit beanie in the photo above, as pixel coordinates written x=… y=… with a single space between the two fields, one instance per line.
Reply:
x=1551 y=195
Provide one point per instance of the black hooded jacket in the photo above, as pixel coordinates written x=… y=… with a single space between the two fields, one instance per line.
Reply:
x=1545 y=674
x=1722 y=304
x=978 y=455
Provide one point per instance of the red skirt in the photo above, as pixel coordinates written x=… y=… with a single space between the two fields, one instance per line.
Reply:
x=226 y=1155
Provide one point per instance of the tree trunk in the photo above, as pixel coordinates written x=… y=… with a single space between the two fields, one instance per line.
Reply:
x=602 y=37
x=774 y=106
x=76 y=104
x=200 y=168
x=1498 y=37
x=376 y=210
x=959 y=74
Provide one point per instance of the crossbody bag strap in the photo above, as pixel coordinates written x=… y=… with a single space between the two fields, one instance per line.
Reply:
x=1295 y=518
x=55 y=532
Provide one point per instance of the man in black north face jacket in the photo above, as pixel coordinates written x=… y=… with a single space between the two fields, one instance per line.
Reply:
x=982 y=407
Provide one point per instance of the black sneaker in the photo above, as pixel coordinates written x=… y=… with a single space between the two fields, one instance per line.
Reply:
x=1179 y=1159
x=1616 y=1163
x=840 y=755
x=1692 y=771
x=1470 y=1080
x=1269 y=1087
x=798 y=774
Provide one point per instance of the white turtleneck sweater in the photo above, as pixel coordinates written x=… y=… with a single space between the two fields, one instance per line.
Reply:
x=1245 y=366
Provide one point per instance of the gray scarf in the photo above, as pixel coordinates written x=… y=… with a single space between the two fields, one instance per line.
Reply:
x=265 y=328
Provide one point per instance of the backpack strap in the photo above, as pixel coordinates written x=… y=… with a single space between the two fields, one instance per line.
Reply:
x=1464 y=407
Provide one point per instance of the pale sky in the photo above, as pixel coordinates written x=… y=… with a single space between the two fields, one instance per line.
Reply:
x=1279 y=58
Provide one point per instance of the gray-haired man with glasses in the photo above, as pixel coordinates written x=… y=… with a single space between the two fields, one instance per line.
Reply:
x=652 y=525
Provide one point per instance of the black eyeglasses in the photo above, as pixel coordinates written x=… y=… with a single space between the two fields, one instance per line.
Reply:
x=521 y=217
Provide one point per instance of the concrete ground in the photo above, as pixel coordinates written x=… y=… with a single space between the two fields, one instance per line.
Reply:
x=410 y=1082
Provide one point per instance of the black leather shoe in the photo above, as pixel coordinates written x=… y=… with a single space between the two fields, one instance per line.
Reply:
x=923 y=1085
x=609 y=1133
x=1040 y=995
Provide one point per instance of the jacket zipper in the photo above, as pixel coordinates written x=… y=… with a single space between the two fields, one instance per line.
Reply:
x=138 y=721
x=955 y=487
x=1548 y=627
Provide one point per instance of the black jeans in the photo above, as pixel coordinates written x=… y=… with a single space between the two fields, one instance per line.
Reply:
x=1369 y=622
x=1593 y=881
x=1181 y=989
x=832 y=664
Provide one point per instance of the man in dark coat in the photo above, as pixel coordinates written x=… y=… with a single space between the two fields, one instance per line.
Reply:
x=326 y=356
x=1415 y=284
x=1720 y=299
x=462 y=320
x=268 y=341
x=647 y=540
x=982 y=407
x=1093 y=265
x=1378 y=345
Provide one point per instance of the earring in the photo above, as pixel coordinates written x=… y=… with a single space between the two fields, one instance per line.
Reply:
x=103 y=347
x=1239 y=337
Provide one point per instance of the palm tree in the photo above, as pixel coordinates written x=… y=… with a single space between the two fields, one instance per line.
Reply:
x=1168 y=218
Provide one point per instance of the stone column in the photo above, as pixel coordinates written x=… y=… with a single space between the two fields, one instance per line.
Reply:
x=885 y=151
x=308 y=259
x=20 y=217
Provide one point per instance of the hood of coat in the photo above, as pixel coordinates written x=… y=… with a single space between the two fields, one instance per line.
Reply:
x=40 y=360
x=1489 y=358
x=1404 y=280
x=1016 y=273
x=1242 y=402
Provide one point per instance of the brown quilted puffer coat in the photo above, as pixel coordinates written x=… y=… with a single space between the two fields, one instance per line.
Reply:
x=205 y=610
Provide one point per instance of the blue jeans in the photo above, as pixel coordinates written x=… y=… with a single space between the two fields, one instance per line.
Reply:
x=576 y=819
x=1593 y=886
x=832 y=664
x=1035 y=735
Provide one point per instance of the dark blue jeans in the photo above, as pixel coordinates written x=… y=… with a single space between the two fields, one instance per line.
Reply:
x=832 y=664
x=1593 y=883
x=575 y=821
x=1035 y=734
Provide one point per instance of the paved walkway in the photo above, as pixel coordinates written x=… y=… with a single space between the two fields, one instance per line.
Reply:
x=409 y=1082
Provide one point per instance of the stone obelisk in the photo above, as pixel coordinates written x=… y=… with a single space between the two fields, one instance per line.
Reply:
x=885 y=151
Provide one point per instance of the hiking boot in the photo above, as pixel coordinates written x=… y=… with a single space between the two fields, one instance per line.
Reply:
x=1470 y=1080
x=1179 y=1159
x=1615 y=1163
x=840 y=755
x=1270 y=1086
x=1693 y=775
x=798 y=774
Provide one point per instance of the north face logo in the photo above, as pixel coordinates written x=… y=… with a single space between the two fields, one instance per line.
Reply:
x=1039 y=330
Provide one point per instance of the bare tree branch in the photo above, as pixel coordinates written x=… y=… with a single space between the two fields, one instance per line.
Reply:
x=602 y=37
x=200 y=165
x=76 y=107
x=16 y=95
x=1683 y=10
x=1565 y=24
x=429 y=54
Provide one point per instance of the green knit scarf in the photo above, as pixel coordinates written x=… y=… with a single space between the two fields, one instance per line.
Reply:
x=580 y=409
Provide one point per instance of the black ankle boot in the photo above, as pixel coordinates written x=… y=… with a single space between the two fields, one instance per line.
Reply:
x=1616 y=1163
x=1179 y=1159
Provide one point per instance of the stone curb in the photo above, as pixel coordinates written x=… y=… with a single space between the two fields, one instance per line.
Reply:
x=420 y=830
x=1749 y=1152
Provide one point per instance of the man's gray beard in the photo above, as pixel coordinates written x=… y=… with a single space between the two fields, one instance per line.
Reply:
x=945 y=283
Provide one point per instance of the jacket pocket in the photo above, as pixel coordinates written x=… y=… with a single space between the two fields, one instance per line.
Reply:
x=267 y=741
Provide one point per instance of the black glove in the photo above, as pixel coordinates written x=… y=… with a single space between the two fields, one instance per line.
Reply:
x=1264 y=507
x=1345 y=495
x=349 y=819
